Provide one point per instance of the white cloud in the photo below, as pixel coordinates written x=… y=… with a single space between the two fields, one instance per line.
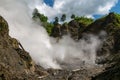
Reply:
x=77 y=7
x=105 y=9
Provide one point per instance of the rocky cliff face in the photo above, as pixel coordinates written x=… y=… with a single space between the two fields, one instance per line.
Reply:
x=15 y=62
x=111 y=24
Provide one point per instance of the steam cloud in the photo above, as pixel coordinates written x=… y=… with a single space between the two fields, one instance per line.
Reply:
x=43 y=49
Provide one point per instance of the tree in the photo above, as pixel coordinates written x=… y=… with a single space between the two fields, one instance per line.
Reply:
x=43 y=18
x=40 y=16
x=72 y=16
x=48 y=26
x=63 y=18
x=35 y=13
x=56 y=20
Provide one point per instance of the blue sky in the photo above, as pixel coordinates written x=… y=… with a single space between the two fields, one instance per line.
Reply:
x=49 y=2
x=115 y=8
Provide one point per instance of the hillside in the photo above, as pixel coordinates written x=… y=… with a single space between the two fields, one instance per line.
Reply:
x=17 y=64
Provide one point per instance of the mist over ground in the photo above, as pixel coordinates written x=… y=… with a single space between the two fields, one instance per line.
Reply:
x=43 y=49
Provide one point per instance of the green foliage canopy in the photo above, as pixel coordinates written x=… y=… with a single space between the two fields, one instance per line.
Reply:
x=84 y=20
x=36 y=14
x=56 y=21
x=72 y=16
x=63 y=18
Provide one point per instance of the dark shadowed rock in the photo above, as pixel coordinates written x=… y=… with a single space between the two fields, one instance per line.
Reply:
x=111 y=24
x=73 y=29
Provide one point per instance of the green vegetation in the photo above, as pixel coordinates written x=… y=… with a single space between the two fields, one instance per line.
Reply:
x=48 y=26
x=63 y=18
x=117 y=21
x=41 y=17
x=56 y=20
x=84 y=20
x=73 y=16
x=117 y=15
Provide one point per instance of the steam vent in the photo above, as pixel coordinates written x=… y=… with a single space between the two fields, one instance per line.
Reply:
x=52 y=40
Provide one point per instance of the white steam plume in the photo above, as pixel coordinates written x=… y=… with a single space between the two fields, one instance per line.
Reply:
x=36 y=41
